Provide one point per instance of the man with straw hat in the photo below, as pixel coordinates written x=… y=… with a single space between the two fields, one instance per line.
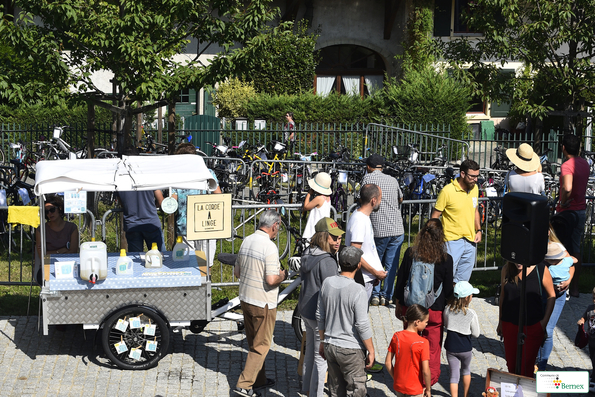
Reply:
x=525 y=178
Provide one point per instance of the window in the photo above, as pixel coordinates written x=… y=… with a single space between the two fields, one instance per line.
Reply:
x=349 y=69
x=449 y=18
x=184 y=96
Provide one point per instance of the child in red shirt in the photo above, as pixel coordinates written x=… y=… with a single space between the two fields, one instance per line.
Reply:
x=411 y=354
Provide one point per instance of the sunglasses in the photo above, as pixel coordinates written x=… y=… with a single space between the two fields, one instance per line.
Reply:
x=335 y=238
x=50 y=210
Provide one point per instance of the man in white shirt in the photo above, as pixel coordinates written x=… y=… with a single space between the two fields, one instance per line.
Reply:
x=360 y=234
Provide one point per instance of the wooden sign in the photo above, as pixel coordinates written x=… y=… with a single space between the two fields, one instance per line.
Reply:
x=208 y=217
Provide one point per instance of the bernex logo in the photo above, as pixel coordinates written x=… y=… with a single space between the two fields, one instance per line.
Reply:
x=562 y=382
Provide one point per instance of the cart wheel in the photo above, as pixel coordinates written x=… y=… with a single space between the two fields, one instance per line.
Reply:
x=135 y=338
x=298 y=324
x=240 y=325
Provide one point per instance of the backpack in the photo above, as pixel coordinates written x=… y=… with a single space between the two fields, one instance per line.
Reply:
x=420 y=285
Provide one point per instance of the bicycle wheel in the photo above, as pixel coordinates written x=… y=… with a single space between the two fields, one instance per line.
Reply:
x=298 y=324
x=150 y=340
x=283 y=240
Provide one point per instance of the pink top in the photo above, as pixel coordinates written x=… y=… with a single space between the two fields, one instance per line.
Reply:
x=579 y=169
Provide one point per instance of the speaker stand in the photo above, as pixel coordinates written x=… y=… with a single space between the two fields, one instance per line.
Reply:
x=521 y=335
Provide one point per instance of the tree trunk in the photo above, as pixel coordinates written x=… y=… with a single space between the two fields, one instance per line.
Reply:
x=171 y=126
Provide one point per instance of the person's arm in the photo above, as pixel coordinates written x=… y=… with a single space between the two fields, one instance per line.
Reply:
x=563 y=286
x=565 y=189
x=379 y=274
x=388 y=363
x=478 y=230
x=236 y=271
x=499 y=326
x=475 y=330
x=425 y=368
x=311 y=203
x=74 y=242
x=548 y=285
x=321 y=346
x=435 y=213
x=371 y=355
x=158 y=196
x=273 y=280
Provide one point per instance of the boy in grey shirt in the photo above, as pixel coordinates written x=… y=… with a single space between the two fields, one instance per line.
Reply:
x=342 y=316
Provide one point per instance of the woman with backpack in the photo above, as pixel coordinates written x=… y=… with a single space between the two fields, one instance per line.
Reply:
x=427 y=256
x=317 y=264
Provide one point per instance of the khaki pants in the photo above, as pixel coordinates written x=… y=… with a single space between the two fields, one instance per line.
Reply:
x=259 y=324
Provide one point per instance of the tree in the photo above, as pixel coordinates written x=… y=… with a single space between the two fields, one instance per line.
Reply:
x=555 y=40
x=282 y=60
x=137 y=40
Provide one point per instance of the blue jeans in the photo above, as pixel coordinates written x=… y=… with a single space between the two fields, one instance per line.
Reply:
x=463 y=258
x=389 y=251
x=149 y=235
x=548 y=345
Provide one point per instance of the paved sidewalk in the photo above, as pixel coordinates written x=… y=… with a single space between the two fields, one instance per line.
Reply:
x=64 y=363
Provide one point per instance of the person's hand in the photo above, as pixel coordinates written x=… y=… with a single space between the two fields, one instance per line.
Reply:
x=370 y=360
x=563 y=286
x=428 y=393
x=321 y=350
x=580 y=321
x=398 y=311
x=381 y=274
x=478 y=235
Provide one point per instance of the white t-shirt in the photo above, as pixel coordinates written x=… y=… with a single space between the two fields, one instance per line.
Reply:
x=525 y=184
x=359 y=230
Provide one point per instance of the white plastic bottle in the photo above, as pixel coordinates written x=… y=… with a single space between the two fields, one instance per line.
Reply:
x=124 y=264
x=153 y=257
x=181 y=251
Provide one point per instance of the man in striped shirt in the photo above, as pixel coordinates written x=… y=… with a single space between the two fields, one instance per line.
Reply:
x=258 y=269
x=388 y=226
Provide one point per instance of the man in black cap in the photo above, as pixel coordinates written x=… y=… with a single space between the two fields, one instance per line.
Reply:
x=344 y=327
x=388 y=226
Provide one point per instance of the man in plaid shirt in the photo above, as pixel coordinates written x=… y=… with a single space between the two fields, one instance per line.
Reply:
x=388 y=226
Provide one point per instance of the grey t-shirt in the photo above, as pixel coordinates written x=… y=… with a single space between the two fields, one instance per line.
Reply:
x=343 y=312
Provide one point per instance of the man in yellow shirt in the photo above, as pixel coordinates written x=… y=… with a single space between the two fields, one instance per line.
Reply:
x=458 y=205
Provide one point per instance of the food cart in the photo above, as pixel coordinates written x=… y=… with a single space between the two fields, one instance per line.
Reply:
x=134 y=312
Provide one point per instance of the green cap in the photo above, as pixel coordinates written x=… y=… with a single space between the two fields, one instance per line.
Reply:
x=328 y=225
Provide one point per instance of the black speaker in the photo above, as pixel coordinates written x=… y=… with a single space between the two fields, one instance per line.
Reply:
x=525 y=224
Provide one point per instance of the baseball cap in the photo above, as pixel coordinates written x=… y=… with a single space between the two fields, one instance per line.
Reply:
x=328 y=225
x=350 y=256
x=375 y=161
x=463 y=289
x=555 y=251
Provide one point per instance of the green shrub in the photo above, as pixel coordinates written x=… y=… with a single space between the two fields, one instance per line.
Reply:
x=232 y=97
x=282 y=60
x=310 y=108
x=52 y=115
x=426 y=96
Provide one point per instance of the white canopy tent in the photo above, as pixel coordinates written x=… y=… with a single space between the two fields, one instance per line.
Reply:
x=186 y=171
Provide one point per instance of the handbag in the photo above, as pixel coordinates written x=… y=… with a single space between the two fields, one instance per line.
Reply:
x=582 y=338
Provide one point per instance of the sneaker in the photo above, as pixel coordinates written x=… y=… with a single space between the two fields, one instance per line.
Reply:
x=375 y=301
x=270 y=383
x=382 y=301
x=247 y=392
x=377 y=367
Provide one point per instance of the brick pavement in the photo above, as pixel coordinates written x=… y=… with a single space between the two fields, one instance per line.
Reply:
x=64 y=363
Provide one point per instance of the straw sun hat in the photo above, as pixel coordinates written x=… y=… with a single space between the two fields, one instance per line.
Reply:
x=523 y=157
x=321 y=183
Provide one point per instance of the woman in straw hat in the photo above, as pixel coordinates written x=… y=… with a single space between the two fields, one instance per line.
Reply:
x=317 y=201
x=525 y=177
